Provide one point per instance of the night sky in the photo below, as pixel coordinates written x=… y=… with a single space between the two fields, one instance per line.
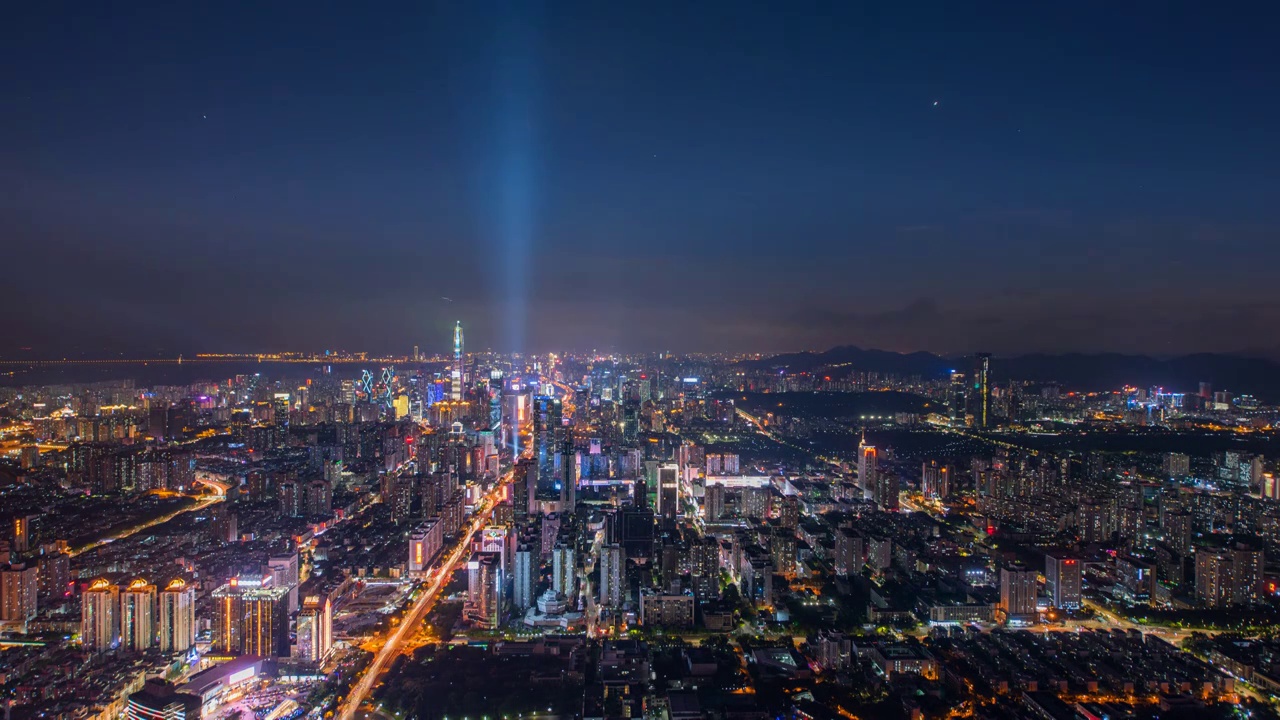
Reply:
x=692 y=176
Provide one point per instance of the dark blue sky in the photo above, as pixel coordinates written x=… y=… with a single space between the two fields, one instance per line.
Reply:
x=684 y=176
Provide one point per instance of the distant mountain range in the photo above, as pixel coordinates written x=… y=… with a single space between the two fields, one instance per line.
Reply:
x=1075 y=371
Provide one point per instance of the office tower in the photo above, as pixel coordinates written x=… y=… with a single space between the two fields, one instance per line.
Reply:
x=137 y=616
x=640 y=493
x=669 y=490
x=713 y=502
x=417 y=357
x=1062 y=575
x=177 y=617
x=524 y=490
x=424 y=544
x=100 y=616
x=21 y=534
x=1018 y=592
x=981 y=385
x=867 y=469
x=484 y=590
x=564 y=579
x=611 y=575
x=500 y=540
x=19 y=589
x=527 y=561
x=160 y=700
x=957 y=399
x=548 y=432
x=315 y=629
x=568 y=478
x=456 y=373
x=251 y=617
x=1229 y=577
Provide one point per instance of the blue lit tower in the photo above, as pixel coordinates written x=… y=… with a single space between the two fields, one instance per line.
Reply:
x=456 y=374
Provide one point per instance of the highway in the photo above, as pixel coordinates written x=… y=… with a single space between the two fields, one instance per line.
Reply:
x=360 y=691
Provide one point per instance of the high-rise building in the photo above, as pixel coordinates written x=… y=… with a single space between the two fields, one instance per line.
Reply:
x=713 y=502
x=251 y=617
x=177 y=617
x=457 y=373
x=527 y=557
x=849 y=551
x=867 y=467
x=100 y=616
x=568 y=477
x=611 y=575
x=957 y=399
x=424 y=544
x=1018 y=592
x=315 y=629
x=564 y=578
x=671 y=612
x=935 y=480
x=484 y=590
x=1062 y=575
x=886 y=490
x=54 y=576
x=524 y=490
x=286 y=573
x=548 y=435
x=669 y=490
x=138 y=616
x=981 y=397
x=789 y=512
x=1229 y=577
x=1177 y=465
x=19 y=589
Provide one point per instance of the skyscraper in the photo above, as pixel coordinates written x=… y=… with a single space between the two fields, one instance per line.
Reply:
x=484 y=590
x=713 y=504
x=315 y=629
x=177 y=617
x=251 y=617
x=867 y=469
x=456 y=375
x=1062 y=580
x=526 y=565
x=981 y=397
x=100 y=616
x=611 y=575
x=548 y=432
x=568 y=477
x=137 y=616
x=669 y=490
x=1018 y=592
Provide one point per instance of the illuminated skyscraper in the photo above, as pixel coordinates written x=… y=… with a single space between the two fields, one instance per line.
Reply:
x=548 y=429
x=484 y=590
x=100 y=616
x=867 y=469
x=137 y=616
x=1062 y=580
x=315 y=629
x=564 y=578
x=251 y=617
x=669 y=490
x=981 y=399
x=456 y=375
x=177 y=619
x=1018 y=592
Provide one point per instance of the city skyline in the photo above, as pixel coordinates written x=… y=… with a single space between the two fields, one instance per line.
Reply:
x=709 y=179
